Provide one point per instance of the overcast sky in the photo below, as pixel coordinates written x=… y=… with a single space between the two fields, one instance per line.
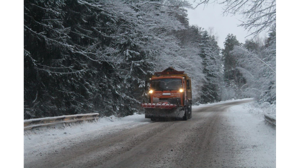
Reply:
x=211 y=16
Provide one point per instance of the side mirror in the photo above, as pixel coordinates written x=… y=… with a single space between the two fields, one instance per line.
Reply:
x=188 y=84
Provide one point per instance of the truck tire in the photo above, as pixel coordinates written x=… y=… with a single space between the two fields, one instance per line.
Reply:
x=186 y=115
x=190 y=109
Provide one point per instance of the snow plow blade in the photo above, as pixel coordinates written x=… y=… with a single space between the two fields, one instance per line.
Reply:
x=162 y=110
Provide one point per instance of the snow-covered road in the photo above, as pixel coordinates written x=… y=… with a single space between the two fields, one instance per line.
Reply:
x=218 y=135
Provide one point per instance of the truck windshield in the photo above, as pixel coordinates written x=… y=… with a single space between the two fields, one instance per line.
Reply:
x=166 y=84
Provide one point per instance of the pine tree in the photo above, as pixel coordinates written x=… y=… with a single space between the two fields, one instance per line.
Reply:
x=232 y=75
x=45 y=51
x=209 y=52
x=233 y=78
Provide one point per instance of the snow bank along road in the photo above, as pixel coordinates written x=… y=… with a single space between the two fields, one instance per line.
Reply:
x=220 y=135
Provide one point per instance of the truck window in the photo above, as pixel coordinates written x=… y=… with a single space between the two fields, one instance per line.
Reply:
x=166 y=84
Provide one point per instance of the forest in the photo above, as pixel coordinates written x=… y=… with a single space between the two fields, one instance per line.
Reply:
x=85 y=56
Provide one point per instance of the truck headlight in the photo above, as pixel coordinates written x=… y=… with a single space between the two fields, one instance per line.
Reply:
x=181 y=90
x=150 y=91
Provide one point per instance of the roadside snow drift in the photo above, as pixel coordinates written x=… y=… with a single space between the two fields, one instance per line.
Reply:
x=44 y=140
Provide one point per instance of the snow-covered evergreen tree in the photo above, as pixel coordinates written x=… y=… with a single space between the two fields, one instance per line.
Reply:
x=233 y=78
x=211 y=62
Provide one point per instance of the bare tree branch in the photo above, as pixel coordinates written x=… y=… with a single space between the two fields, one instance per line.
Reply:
x=259 y=14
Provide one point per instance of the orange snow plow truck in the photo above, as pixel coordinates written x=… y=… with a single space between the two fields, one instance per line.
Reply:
x=169 y=95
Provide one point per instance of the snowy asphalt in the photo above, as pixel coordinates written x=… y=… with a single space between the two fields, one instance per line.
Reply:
x=220 y=135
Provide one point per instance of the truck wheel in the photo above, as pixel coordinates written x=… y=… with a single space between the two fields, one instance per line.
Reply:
x=186 y=115
x=190 y=109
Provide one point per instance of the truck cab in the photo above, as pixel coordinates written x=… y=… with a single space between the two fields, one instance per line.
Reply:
x=169 y=95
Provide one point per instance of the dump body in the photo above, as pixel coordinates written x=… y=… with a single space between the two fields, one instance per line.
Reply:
x=169 y=95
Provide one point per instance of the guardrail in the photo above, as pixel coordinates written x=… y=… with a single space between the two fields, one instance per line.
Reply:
x=270 y=119
x=49 y=121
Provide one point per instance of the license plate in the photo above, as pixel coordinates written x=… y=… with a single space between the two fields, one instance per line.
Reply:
x=166 y=94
